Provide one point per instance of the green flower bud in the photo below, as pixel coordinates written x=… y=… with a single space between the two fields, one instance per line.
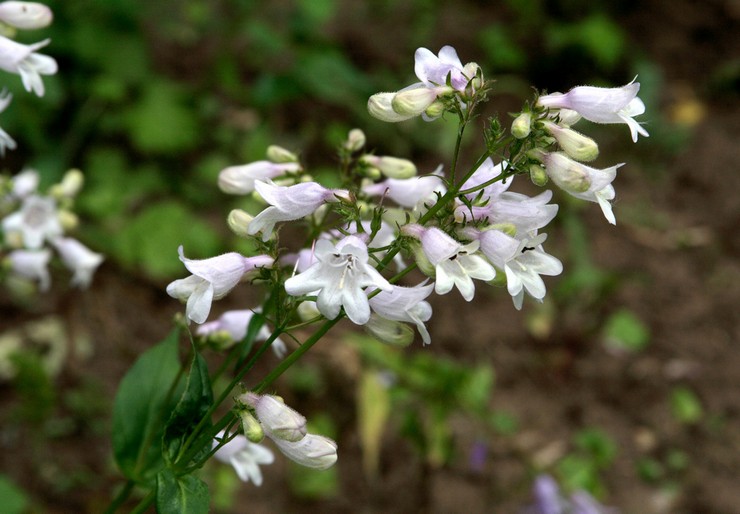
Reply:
x=538 y=175
x=435 y=110
x=393 y=333
x=69 y=186
x=413 y=102
x=238 y=221
x=391 y=167
x=251 y=427
x=355 y=140
x=575 y=144
x=521 y=125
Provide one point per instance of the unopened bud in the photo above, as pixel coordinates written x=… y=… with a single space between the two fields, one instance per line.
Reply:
x=238 y=221
x=313 y=451
x=521 y=125
x=575 y=144
x=308 y=311
x=413 y=102
x=277 y=419
x=472 y=70
x=538 y=175
x=566 y=117
x=390 y=332
x=70 y=185
x=391 y=167
x=379 y=106
x=251 y=427
x=279 y=155
x=435 y=110
x=423 y=262
x=25 y=15
x=355 y=140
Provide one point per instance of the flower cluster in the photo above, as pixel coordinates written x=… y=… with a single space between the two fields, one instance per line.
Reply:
x=34 y=227
x=365 y=242
x=549 y=500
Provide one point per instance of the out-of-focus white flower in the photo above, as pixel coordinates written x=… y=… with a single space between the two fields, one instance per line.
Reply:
x=31 y=264
x=245 y=456
x=391 y=167
x=25 y=183
x=408 y=192
x=239 y=180
x=5 y=140
x=235 y=323
x=25 y=15
x=22 y=59
x=79 y=259
x=405 y=304
x=339 y=275
x=211 y=279
x=289 y=203
x=602 y=105
x=36 y=221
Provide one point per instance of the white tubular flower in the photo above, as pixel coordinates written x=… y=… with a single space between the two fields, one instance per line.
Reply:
x=239 y=180
x=79 y=259
x=5 y=140
x=289 y=203
x=279 y=421
x=380 y=106
x=575 y=144
x=313 y=451
x=405 y=304
x=455 y=264
x=583 y=181
x=416 y=99
x=25 y=15
x=36 y=221
x=602 y=105
x=523 y=261
x=339 y=275
x=245 y=456
x=408 y=192
x=23 y=60
x=31 y=264
x=211 y=279
x=391 y=167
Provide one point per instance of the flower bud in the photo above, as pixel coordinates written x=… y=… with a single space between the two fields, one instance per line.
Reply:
x=238 y=221
x=277 y=419
x=355 y=140
x=575 y=144
x=25 y=15
x=413 y=102
x=391 y=167
x=251 y=427
x=435 y=110
x=471 y=70
x=280 y=155
x=423 y=262
x=70 y=185
x=538 y=175
x=379 y=106
x=390 y=332
x=313 y=451
x=567 y=174
x=521 y=125
x=68 y=219
x=308 y=311
x=566 y=117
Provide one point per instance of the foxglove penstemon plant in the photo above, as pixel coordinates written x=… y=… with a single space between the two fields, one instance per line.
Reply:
x=461 y=228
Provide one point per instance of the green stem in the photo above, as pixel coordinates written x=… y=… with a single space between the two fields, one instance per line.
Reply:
x=121 y=497
x=145 y=503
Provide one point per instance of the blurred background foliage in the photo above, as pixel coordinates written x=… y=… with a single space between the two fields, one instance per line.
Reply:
x=154 y=98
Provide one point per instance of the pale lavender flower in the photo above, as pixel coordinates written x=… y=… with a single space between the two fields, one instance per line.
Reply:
x=245 y=456
x=235 y=323
x=239 y=180
x=455 y=264
x=602 y=105
x=25 y=15
x=22 y=59
x=523 y=260
x=405 y=304
x=31 y=264
x=549 y=500
x=339 y=275
x=289 y=203
x=211 y=279
x=433 y=70
x=79 y=259
x=584 y=182
x=36 y=221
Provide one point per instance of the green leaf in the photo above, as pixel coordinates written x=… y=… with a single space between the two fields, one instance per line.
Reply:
x=143 y=401
x=625 y=331
x=194 y=403
x=12 y=498
x=181 y=495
